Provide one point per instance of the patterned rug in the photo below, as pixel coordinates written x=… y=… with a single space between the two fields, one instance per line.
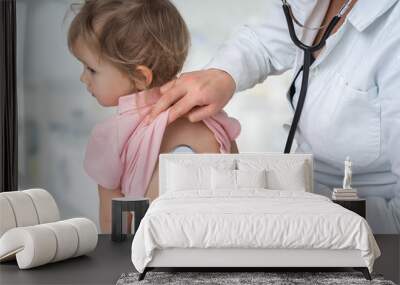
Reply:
x=242 y=278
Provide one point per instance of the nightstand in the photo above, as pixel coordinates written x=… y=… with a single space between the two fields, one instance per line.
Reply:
x=356 y=205
x=126 y=204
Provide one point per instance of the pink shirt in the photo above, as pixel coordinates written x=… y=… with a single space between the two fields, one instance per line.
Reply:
x=123 y=152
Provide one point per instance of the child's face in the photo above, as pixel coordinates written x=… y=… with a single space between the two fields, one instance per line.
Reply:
x=102 y=79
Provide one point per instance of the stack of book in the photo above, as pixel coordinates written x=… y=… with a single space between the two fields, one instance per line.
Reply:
x=344 y=194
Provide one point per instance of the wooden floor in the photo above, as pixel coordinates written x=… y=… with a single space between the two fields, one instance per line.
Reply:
x=110 y=260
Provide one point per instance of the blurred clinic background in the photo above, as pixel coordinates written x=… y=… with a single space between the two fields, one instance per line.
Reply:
x=56 y=114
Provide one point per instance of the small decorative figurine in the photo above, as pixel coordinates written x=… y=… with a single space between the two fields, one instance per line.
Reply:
x=347 y=192
x=347 y=174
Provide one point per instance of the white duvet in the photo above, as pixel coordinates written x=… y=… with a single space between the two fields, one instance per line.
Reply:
x=251 y=218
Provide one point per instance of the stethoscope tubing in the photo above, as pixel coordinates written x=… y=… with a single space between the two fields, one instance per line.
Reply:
x=308 y=50
x=295 y=39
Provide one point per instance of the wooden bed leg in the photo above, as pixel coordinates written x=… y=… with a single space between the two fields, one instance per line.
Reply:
x=142 y=275
x=364 y=271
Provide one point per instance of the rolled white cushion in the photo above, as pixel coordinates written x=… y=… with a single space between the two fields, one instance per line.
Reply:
x=33 y=245
x=87 y=234
x=67 y=239
x=23 y=208
x=45 y=205
x=27 y=208
x=40 y=244
x=7 y=218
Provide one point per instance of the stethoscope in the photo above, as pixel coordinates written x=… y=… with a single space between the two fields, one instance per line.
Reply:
x=308 y=50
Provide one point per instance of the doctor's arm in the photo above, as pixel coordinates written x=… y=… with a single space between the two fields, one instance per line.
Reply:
x=257 y=51
x=242 y=62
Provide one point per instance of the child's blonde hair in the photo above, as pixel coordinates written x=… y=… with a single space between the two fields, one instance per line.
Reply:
x=129 y=33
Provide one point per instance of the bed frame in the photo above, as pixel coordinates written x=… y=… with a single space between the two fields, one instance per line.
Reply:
x=236 y=259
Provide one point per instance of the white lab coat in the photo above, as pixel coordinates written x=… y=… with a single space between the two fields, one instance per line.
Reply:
x=352 y=106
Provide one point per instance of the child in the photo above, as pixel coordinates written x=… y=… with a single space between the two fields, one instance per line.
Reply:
x=129 y=48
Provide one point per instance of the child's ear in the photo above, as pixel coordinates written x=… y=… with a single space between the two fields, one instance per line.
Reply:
x=147 y=75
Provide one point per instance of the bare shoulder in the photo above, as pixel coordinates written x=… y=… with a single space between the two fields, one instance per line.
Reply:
x=183 y=132
x=195 y=135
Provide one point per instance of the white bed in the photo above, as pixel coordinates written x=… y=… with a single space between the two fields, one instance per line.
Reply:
x=193 y=225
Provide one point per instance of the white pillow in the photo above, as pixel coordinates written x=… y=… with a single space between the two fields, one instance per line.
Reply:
x=183 y=178
x=186 y=175
x=251 y=178
x=281 y=174
x=223 y=179
x=236 y=179
x=293 y=179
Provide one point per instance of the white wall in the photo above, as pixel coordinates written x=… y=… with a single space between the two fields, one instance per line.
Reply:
x=57 y=114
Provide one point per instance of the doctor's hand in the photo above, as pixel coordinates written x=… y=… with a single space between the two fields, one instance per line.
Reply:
x=196 y=95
